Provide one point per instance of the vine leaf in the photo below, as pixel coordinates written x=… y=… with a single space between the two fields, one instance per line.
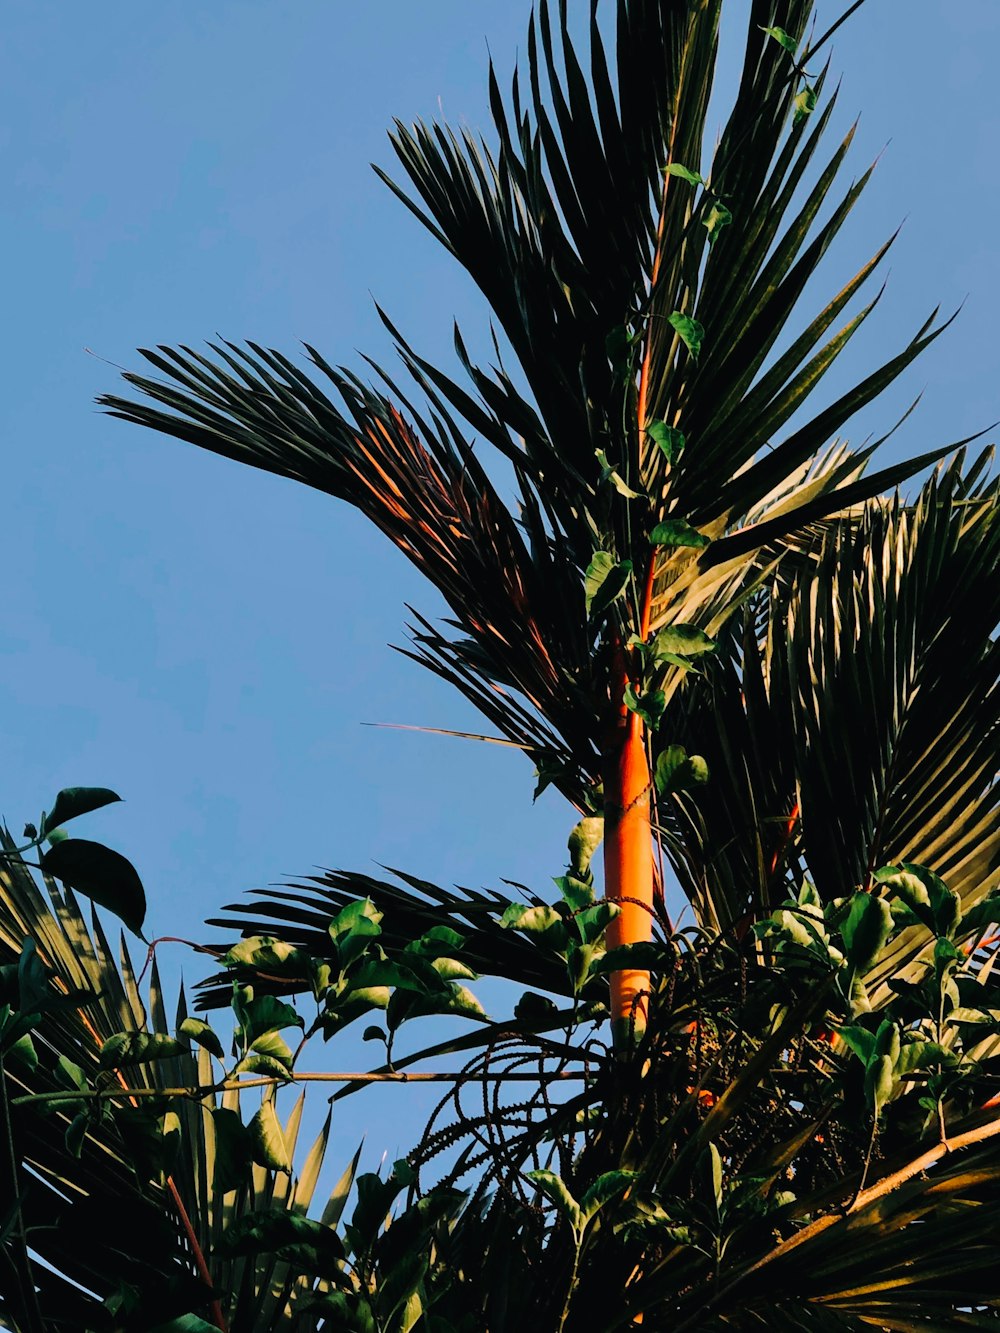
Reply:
x=690 y=332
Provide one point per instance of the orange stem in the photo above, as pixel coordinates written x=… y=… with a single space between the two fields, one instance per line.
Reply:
x=789 y=829
x=628 y=854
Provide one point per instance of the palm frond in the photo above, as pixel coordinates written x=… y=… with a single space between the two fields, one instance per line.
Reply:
x=857 y=726
x=587 y=250
x=301 y=913
x=103 y=1221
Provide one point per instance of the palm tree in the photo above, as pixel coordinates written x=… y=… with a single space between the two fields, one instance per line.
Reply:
x=643 y=304
x=699 y=578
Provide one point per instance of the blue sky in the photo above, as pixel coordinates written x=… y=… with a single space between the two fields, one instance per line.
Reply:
x=207 y=639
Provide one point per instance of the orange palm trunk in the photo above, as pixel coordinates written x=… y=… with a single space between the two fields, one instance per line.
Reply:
x=628 y=859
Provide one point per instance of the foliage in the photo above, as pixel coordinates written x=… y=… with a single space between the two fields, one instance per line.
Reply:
x=729 y=646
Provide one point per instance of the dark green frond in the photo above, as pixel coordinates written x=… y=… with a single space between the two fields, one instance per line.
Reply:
x=855 y=723
x=627 y=305
x=300 y=914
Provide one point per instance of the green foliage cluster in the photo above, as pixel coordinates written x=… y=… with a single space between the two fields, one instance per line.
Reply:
x=782 y=1073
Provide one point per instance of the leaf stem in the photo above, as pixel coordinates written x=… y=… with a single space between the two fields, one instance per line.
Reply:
x=571 y=1288
x=270 y=1081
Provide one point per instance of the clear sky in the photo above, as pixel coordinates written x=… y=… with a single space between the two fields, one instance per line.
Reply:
x=207 y=639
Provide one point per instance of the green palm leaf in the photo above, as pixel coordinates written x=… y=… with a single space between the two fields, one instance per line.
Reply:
x=582 y=243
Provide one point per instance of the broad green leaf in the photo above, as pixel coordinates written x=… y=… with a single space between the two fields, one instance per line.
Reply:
x=436 y=942
x=684 y=174
x=879 y=1081
x=104 y=876
x=233 y=1150
x=584 y=841
x=575 y=893
x=792 y=926
x=644 y=954
x=910 y=889
x=887 y=1039
x=605 y=582
x=677 y=532
x=262 y=1065
x=353 y=943
x=197 y=1030
x=542 y=921
x=267 y=1142
x=375 y=1197
x=974 y=1017
x=925 y=893
x=70 y=1075
x=689 y=331
x=681 y=640
x=556 y=1191
x=420 y=975
x=354 y=914
x=407 y=972
x=22 y=1052
x=809 y=897
x=273 y=1045
x=452 y=969
x=267 y=954
x=150 y=1151
x=609 y=473
x=134 y=1048
x=677 y=771
x=978 y=918
x=266 y=1013
x=916 y=1055
x=76 y=1132
x=74 y=801
x=945 y=905
x=717 y=217
x=804 y=104
x=307 y=1245
x=650 y=705
x=715 y=1173
x=532 y=1008
x=610 y=1185
x=463 y=1001
x=860 y=999
x=667 y=438
x=372 y=997
x=580 y=958
x=402 y=1005
x=781 y=37
x=865 y=930
x=593 y=921
x=859 y=1040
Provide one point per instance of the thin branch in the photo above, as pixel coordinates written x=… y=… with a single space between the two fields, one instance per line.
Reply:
x=444 y=731
x=270 y=1081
